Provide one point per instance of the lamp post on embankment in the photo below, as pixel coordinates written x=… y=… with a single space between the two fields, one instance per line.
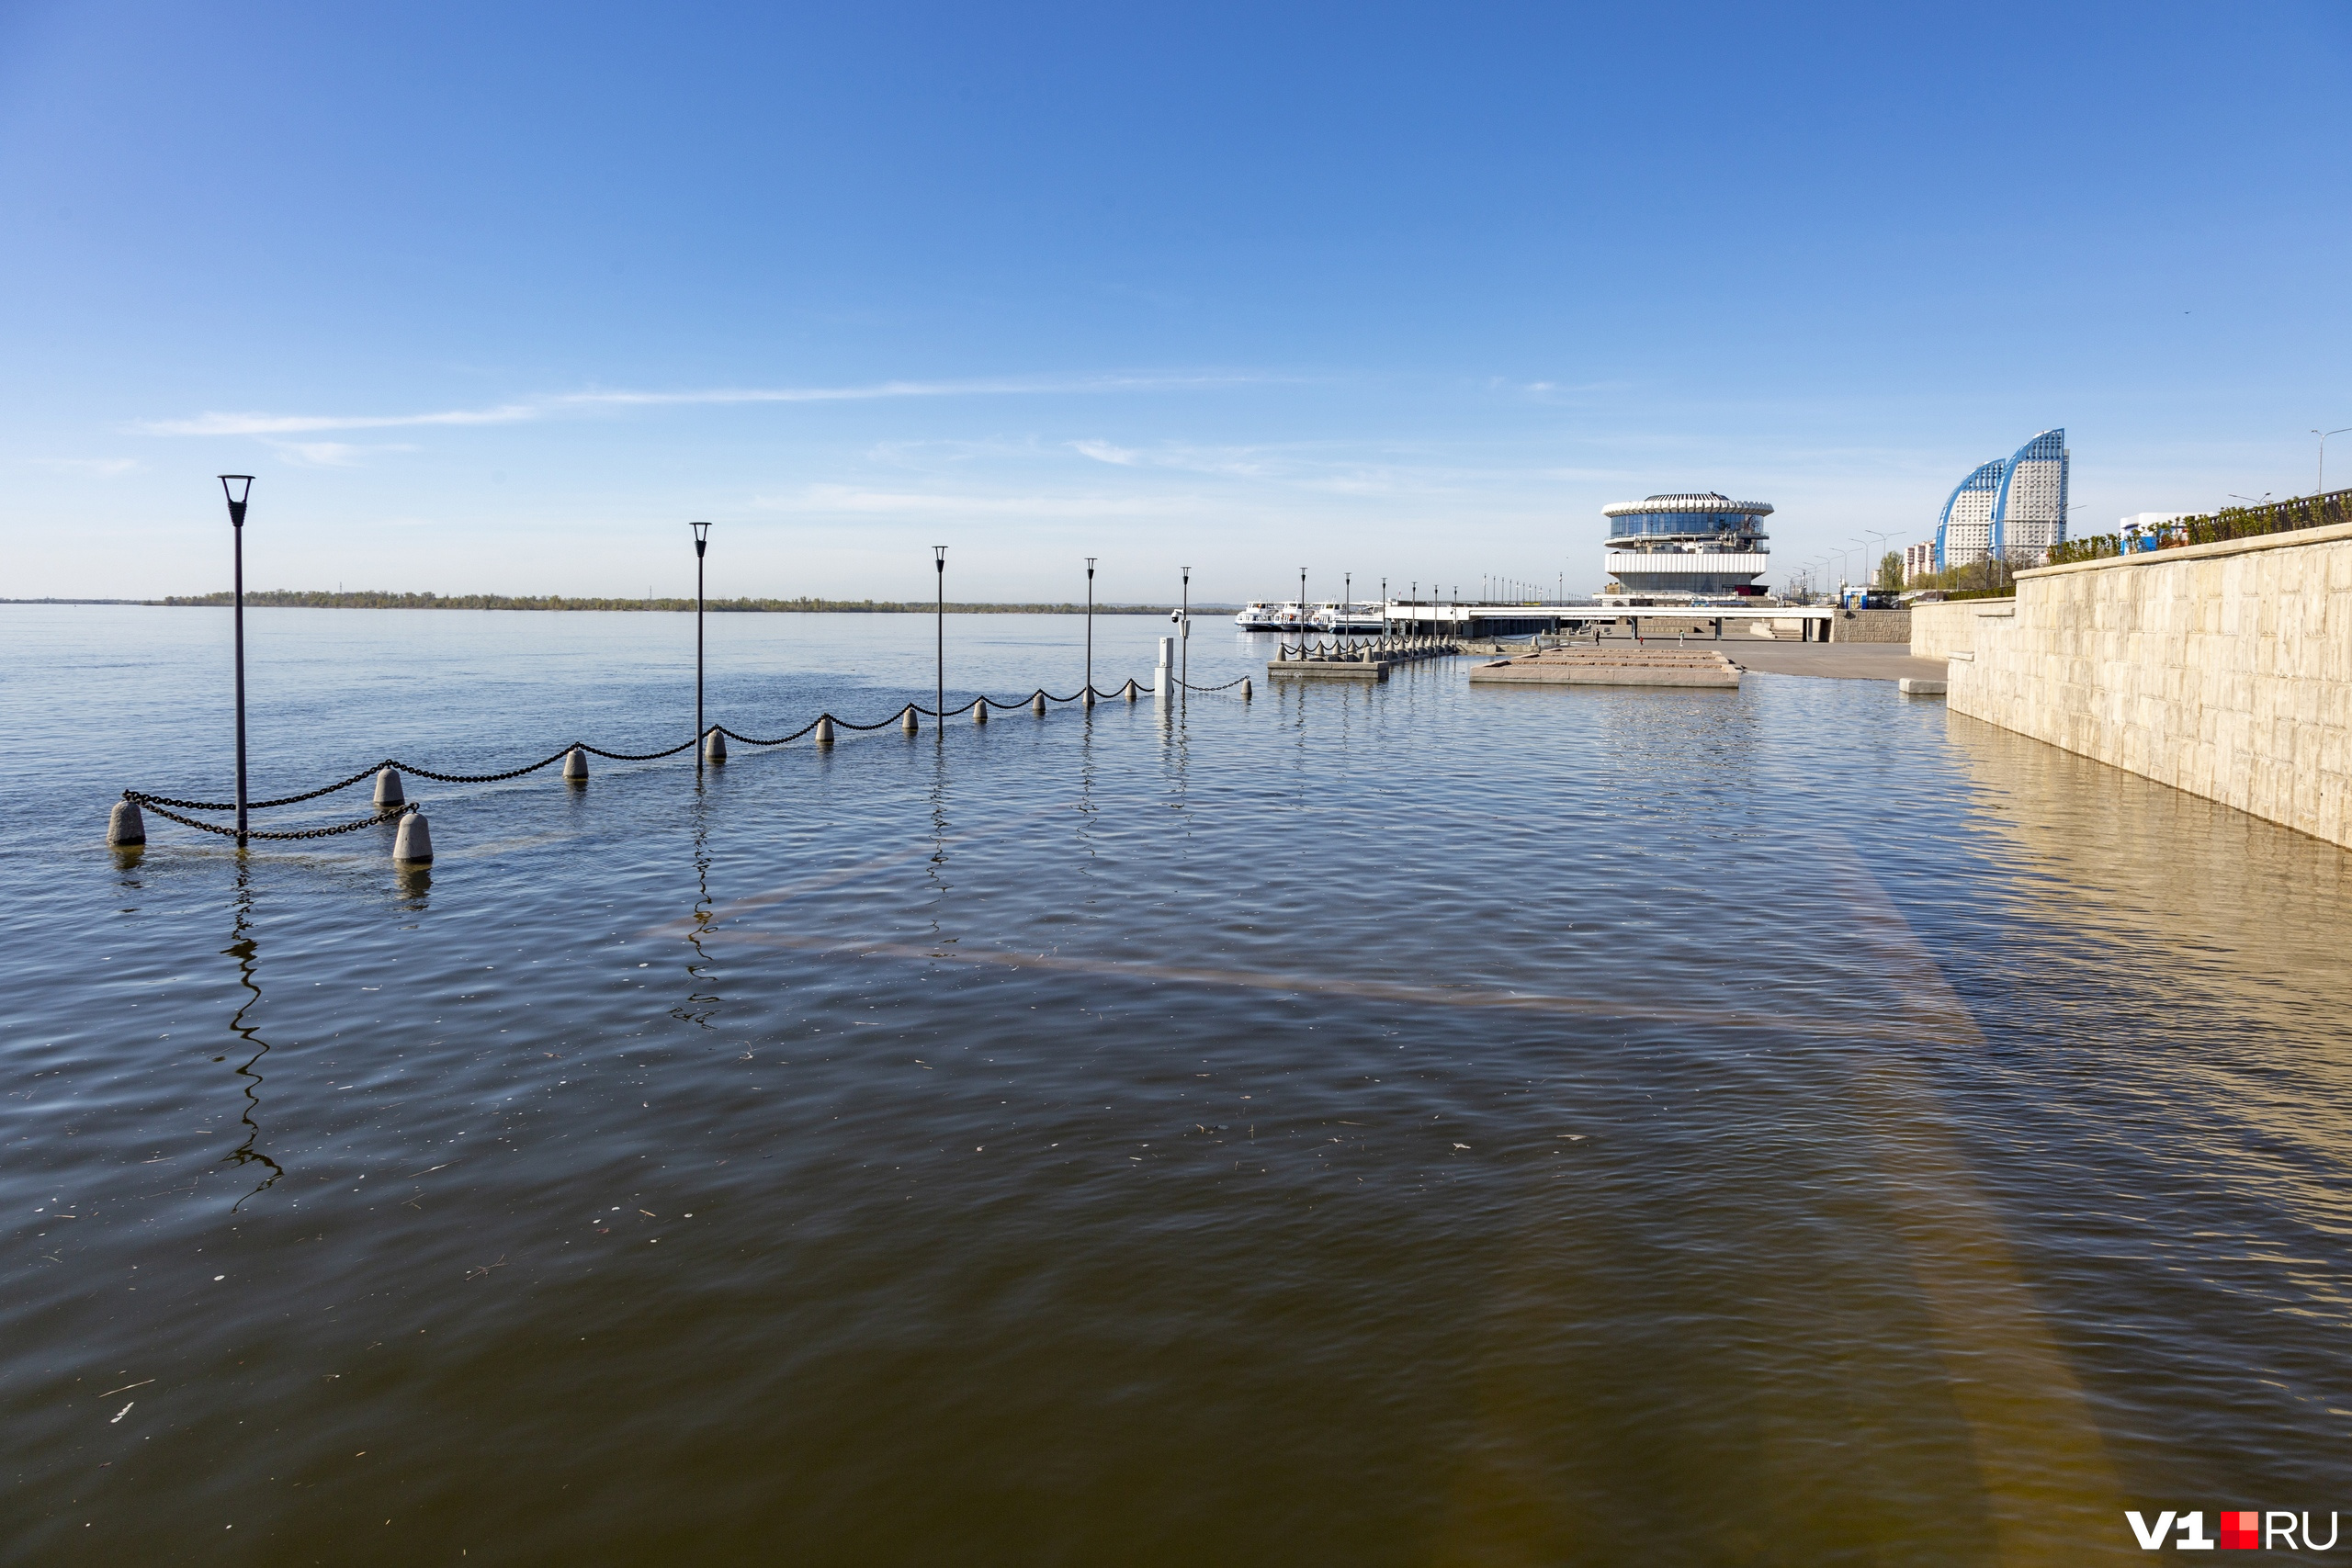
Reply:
x=237 y=487
x=702 y=543
x=1089 y=631
x=939 y=621
x=2323 y=435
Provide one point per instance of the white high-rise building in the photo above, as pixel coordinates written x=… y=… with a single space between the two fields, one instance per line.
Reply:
x=2013 y=507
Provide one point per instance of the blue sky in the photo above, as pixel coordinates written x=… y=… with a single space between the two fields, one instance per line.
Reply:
x=497 y=298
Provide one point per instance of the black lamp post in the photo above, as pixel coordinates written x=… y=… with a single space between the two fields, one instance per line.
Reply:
x=1090 y=625
x=939 y=559
x=1185 y=630
x=236 y=487
x=702 y=543
x=1301 y=605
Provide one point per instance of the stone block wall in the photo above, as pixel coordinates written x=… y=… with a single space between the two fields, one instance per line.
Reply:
x=1941 y=630
x=2224 y=669
x=1871 y=625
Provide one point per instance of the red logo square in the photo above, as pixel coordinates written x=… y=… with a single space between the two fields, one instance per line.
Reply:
x=2242 y=1529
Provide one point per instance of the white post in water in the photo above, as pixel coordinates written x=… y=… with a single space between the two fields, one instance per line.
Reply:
x=1164 y=678
x=414 y=844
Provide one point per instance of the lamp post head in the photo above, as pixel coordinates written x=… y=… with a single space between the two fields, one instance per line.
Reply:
x=939 y=558
x=702 y=537
x=1089 y=566
x=236 y=487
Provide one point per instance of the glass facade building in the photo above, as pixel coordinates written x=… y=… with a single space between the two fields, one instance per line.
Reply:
x=1686 y=544
x=2011 y=507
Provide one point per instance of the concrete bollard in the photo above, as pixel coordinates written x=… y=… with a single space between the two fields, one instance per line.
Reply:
x=714 y=749
x=1132 y=692
x=979 y=710
x=414 y=844
x=909 y=722
x=125 y=825
x=824 y=736
x=1244 y=688
x=575 y=766
x=1088 y=700
x=387 y=790
x=1037 y=704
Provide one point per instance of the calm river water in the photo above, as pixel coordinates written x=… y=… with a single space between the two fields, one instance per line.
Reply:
x=1403 y=1125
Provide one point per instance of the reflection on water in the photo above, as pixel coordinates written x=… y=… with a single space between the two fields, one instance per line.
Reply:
x=242 y=949
x=1390 y=1125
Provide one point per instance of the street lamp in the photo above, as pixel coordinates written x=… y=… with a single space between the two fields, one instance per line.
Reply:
x=1302 y=605
x=1879 y=548
x=1089 y=631
x=2323 y=435
x=939 y=621
x=702 y=543
x=1184 y=631
x=236 y=487
x=1347 y=610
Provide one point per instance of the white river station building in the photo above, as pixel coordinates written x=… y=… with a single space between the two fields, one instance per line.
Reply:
x=1702 y=544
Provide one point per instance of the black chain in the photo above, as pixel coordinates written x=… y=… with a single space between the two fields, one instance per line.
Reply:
x=616 y=756
x=755 y=740
x=261 y=805
x=149 y=801
x=1235 y=681
x=513 y=774
x=161 y=801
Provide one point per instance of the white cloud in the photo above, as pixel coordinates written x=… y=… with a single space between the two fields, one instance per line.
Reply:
x=105 y=467
x=554 y=405
x=839 y=499
x=329 y=454
x=1103 y=452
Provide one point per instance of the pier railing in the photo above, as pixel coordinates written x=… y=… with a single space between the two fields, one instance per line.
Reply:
x=2291 y=515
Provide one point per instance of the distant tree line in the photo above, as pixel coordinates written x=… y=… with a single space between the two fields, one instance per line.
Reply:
x=377 y=599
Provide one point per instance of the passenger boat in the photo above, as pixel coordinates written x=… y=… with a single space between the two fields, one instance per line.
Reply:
x=1259 y=616
x=1355 y=618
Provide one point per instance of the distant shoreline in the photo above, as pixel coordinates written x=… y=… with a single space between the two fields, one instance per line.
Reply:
x=300 y=599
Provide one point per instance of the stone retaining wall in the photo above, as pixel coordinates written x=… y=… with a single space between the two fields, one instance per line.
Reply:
x=1871 y=625
x=2224 y=669
x=1942 y=629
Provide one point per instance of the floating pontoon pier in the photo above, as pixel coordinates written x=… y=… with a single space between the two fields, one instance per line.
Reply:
x=1611 y=667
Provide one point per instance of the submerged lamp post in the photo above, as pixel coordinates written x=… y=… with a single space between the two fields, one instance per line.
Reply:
x=236 y=487
x=1184 y=631
x=1302 y=605
x=939 y=559
x=702 y=543
x=1090 y=628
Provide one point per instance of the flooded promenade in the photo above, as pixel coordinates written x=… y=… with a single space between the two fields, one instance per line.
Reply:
x=1399 y=1124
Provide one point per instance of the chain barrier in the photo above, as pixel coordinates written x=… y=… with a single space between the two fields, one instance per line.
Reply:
x=623 y=756
x=160 y=803
x=395 y=763
x=1235 y=681
x=755 y=740
x=150 y=803
x=258 y=805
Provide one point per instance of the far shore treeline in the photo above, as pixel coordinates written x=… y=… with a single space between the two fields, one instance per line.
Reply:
x=373 y=598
